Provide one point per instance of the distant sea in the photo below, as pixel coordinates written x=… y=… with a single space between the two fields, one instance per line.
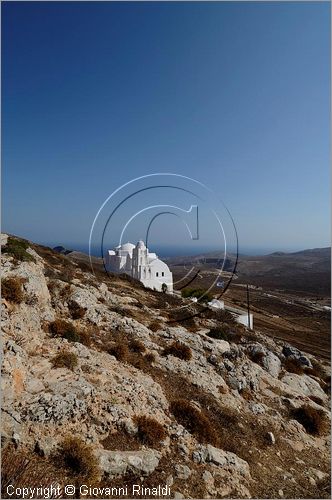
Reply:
x=164 y=252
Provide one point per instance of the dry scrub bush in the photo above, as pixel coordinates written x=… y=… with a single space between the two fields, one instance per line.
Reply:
x=21 y=468
x=65 y=359
x=314 y=421
x=150 y=431
x=225 y=333
x=293 y=365
x=257 y=357
x=155 y=325
x=247 y=394
x=150 y=357
x=137 y=346
x=78 y=459
x=11 y=290
x=193 y=420
x=218 y=333
x=178 y=350
x=66 y=330
x=119 y=351
x=76 y=311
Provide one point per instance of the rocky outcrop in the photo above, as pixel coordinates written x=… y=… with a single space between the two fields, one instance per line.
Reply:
x=245 y=409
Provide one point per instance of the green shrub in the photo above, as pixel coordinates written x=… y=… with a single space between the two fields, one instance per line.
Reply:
x=178 y=350
x=11 y=290
x=65 y=359
x=18 y=250
x=150 y=431
x=217 y=333
x=199 y=293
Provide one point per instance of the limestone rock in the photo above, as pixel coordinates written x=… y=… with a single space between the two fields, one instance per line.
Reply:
x=118 y=463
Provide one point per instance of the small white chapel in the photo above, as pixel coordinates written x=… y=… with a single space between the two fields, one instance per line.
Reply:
x=138 y=262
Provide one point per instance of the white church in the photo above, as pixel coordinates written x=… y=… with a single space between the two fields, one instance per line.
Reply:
x=138 y=262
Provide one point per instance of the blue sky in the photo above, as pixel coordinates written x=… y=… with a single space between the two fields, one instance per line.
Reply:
x=235 y=95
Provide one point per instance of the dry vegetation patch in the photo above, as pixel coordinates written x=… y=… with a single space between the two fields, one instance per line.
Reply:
x=78 y=459
x=21 y=468
x=179 y=350
x=193 y=420
x=65 y=359
x=313 y=420
x=76 y=311
x=11 y=290
x=150 y=431
x=119 y=350
x=66 y=330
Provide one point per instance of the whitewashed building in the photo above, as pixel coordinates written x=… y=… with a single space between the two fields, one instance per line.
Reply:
x=138 y=262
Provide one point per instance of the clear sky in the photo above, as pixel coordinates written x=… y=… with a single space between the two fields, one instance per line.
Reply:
x=235 y=95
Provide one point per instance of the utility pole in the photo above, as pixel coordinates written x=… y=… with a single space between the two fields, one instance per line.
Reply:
x=248 y=307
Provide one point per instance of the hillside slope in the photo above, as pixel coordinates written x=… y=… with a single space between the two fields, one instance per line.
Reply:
x=307 y=271
x=108 y=383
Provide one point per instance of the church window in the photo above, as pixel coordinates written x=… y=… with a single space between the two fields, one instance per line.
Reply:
x=157 y=274
x=163 y=274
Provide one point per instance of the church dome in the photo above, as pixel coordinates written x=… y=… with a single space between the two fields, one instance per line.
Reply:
x=127 y=247
x=141 y=244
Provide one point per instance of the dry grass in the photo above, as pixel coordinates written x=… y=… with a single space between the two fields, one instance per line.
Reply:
x=64 y=329
x=78 y=459
x=178 y=350
x=247 y=394
x=155 y=325
x=11 y=290
x=119 y=350
x=225 y=332
x=150 y=431
x=257 y=357
x=193 y=420
x=136 y=346
x=21 y=468
x=76 y=311
x=65 y=359
x=314 y=421
x=150 y=357
x=293 y=365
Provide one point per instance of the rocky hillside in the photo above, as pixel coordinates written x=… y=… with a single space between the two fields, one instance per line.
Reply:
x=106 y=383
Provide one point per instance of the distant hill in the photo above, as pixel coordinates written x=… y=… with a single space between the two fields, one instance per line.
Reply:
x=305 y=271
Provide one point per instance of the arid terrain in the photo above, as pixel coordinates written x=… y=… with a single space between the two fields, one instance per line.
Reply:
x=289 y=294
x=106 y=383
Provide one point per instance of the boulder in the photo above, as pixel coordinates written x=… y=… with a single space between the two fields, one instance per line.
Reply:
x=211 y=455
x=118 y=463
x=304 y=385
x=291 y=352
